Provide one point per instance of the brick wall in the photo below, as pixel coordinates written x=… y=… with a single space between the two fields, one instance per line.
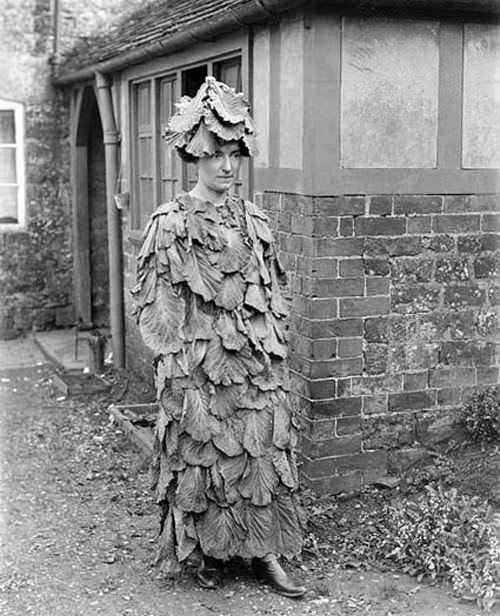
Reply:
x=395 y=302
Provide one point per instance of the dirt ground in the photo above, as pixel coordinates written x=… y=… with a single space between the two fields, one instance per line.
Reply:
x=78 y=528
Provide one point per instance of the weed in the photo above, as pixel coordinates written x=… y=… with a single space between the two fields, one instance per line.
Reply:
x=481 y=415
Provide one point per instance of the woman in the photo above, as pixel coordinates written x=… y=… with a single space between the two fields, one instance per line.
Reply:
x=209 y=306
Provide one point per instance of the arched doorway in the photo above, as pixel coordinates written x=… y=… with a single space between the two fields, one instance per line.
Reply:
x=90 y=228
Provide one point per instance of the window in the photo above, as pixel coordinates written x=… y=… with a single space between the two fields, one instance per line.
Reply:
x=158 y=174
x=11 y=164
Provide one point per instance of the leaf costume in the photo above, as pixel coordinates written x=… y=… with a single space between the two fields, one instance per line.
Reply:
x=208 y=303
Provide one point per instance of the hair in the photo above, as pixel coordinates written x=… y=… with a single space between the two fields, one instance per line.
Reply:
x=189 y=158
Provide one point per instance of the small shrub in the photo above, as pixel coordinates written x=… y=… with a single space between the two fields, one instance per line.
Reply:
x=481 y=415
x=441 y=534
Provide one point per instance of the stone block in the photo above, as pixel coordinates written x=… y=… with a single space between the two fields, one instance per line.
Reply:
x=490 y=223
x=439 y=243
x=339 y=206
x=337 y=446
x=364 y=307
x=376 y=329
x=321 y=226
x=436 y=427
x=348 y=425
x=349 y=347
x=487 y=266
x=346 y=227
x=374 y=225
x=452 y=377
x=377 y=286
x=336 y=368
x=338 y=484
x=340 y=328
x=418 y=204
x=375 y=405
x=351 y=268
x=414 y=381
x=418 y=225
x=339 y=247
x=451 y=269
x=323 y=267
x=410 y=270
x=457 y=223
x=375 y=358
x=377 y=267
x=459 y=297
x=380 y=205
x=389 y=431
x=411 y=401
x=336 y=407
x=415 y=299
x=323 y=308
x=338 y=287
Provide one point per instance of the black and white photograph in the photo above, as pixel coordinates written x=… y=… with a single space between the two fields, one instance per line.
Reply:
x=249 y=307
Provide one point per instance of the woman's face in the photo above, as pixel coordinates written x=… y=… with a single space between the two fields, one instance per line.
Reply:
x=219 y=171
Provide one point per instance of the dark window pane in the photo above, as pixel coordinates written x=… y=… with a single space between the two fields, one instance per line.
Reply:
x=166 y=100
x=192 y=79
x=7 y=126
x=8 y=165
x=8 y=204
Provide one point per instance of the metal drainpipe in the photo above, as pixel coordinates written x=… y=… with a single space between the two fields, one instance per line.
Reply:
x=111 y=139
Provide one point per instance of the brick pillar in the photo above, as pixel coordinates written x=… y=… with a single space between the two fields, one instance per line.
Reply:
x=394 y=323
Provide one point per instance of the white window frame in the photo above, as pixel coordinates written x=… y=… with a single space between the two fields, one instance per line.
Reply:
x=18 y=109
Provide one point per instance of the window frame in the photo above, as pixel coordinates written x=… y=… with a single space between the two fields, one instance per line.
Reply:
x=155 y=72
x=19 y=128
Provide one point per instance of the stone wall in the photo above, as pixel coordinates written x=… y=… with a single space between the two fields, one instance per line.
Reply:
x=35 y=261
x=395 y=322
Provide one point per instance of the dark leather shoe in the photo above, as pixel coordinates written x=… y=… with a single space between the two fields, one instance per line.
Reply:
x=271 y=572
x=208 y=574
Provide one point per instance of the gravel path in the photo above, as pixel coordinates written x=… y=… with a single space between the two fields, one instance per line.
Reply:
x=78 y=526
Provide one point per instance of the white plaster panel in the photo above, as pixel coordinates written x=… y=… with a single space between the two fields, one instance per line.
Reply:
x=291 y=94
x=261 y=90
x=389 y=96
x=481 y=108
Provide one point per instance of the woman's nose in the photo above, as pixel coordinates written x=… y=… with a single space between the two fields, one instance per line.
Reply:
x=226 y=163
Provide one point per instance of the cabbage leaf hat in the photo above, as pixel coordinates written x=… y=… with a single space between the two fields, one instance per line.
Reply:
x=216 y=114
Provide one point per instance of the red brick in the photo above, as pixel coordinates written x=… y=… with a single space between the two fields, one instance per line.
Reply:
x=380 y=205
x=375 y=405
x=348 y=425
x=364 y=307
x=323 y=308
x=338 y=446
x=380 y=226
x=339 y=206
x=323 y=268
x=338 y=287
x=350 y=347
x=340 y=247
x=413 y=400
x=323 y=349
x=455 y=223
x=325 y=226
x=323 y=388
x=340 y=328
x=417 y=204
x=351 y=267
x=336 y=367
x=336 y=407
x=377 y=286
x=346 y=226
